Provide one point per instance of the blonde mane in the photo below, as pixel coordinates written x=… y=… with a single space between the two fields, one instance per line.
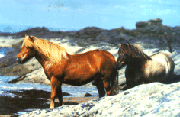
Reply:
x=52 y=51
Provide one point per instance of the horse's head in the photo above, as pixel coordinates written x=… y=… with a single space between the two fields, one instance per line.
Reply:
x=122 y=61
x=128 y=53
x=27 y=51
x=123 y=53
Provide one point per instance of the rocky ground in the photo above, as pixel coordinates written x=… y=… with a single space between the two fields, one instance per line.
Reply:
x=154 y=99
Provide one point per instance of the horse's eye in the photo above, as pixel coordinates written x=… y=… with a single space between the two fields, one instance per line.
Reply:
x=121 y=56
x=120 y=52
x=29 y=48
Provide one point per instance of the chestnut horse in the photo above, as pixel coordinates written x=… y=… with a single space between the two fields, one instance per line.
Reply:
x=78 y=69
x=142 y=68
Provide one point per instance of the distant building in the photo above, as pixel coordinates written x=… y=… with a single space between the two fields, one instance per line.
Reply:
x=144 y=24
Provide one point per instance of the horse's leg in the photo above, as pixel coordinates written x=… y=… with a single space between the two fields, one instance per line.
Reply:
x=100 y=87
x=114 y=83
x=54 y=84
x=107 y=87
x=59 y=94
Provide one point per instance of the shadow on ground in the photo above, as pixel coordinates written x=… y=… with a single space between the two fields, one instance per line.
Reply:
x=27 y=99
x=174 y=79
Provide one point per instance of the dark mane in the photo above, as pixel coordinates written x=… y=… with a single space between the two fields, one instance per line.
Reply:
x=133 y=51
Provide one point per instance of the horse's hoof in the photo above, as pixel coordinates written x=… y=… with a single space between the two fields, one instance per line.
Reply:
x=51 y=107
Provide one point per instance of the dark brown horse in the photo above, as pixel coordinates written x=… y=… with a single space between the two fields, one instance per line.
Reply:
x=142 y=68
x=78 y=69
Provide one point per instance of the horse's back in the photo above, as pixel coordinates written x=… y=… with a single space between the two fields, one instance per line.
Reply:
x=162 y=56
x=159 y=68
x=166 y=60
x=85 y=67
x=101 y=56
x=102 y=59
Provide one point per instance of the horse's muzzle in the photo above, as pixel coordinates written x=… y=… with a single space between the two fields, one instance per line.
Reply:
x=119 y=65
x=19 y=60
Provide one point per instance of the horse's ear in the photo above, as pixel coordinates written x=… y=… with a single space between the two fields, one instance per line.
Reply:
x=25 y=35
x=32 y=38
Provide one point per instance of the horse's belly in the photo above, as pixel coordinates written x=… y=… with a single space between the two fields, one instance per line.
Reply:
x=79 y=78
x=154 y=67
x=77 y=81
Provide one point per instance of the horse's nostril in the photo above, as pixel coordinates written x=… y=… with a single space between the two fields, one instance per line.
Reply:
x=19 y=60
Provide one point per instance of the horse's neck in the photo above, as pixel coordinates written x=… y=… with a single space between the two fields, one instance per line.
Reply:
x=140 y=55
x=40 y=52
x=43 y=54
x=41 y=57
x=135 y=62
